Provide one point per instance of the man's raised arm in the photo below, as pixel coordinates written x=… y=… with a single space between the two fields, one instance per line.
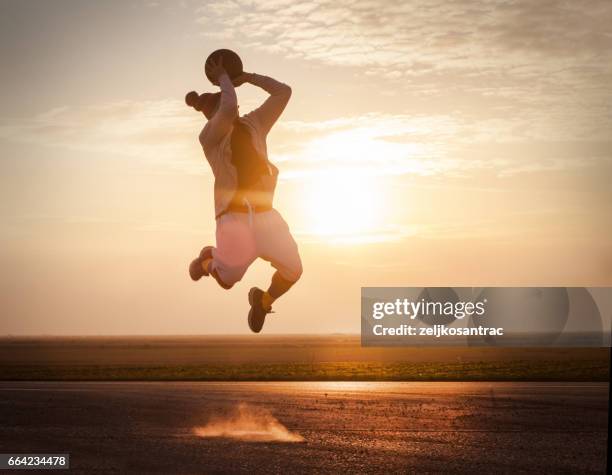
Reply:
x=269 y=112
x=221 y=123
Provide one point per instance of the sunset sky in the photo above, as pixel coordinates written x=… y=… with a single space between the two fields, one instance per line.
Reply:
x=426 y=143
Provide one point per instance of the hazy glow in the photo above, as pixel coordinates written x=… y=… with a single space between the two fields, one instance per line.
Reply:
x=369 y=149
x=341 y=206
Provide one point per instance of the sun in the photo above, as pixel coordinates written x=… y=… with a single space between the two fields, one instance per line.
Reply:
x=341 y=206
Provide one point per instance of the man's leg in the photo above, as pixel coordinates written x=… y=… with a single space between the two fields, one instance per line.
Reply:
x=278 y=287
x=234 y=253
x=276 y=245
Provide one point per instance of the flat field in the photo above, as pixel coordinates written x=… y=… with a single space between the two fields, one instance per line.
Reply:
x=285 y=358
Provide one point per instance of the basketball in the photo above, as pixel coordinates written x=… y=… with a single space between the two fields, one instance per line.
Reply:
x=231 y=62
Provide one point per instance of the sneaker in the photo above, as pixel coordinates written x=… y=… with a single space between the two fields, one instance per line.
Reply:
x=257 y=314
x=196 y=272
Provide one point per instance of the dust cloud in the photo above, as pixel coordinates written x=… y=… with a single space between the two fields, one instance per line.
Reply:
x=248 y=423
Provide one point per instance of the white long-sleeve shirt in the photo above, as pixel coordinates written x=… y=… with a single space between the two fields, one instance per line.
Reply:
x=215 y=137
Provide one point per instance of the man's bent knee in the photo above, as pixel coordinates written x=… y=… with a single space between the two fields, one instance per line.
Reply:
x=293 y=273
x=228 y=277
x=220 y=281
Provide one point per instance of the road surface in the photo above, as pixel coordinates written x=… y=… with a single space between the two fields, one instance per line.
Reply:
x=347 y=427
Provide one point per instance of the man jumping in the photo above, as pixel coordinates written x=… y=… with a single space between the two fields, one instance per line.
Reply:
x=248 y=226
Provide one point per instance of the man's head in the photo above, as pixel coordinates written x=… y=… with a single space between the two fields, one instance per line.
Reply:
x=207 y=103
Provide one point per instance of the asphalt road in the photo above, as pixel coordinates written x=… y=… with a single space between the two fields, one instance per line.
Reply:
x=137 y=427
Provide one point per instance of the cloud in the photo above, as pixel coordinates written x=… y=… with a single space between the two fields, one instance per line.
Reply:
x=543 y=72
x=389 y=233
x=159 y=131
x=378 y=145
x=518 y=39
x=547 y=63
x=369 y=145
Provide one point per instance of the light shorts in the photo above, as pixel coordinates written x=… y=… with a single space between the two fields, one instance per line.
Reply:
x=243 y=237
